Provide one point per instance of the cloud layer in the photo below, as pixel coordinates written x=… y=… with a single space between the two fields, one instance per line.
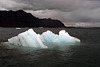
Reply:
x=64 y=10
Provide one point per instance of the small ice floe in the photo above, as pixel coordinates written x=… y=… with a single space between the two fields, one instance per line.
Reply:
x=30 y=38
x=40 y=27
x=18 y=28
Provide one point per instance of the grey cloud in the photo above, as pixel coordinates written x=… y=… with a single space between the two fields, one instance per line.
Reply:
x=64 y=5
x=64 y=10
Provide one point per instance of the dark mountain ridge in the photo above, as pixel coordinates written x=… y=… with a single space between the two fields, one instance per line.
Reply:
x=23 y=19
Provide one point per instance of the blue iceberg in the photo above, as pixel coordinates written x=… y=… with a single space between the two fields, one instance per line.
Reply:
x=62 y=39
x=31 y=39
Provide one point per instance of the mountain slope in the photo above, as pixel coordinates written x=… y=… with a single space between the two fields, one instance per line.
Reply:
x=22 y=19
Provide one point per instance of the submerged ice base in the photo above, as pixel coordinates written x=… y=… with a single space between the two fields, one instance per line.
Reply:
x=32 y=39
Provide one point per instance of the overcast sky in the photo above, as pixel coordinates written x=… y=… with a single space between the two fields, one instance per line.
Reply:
x=64 y=10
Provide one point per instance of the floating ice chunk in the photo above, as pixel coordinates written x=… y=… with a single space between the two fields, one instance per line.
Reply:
x=31 y=39
x=65 y=38
x=28 y=39
x=62 y=39
x=18 y=28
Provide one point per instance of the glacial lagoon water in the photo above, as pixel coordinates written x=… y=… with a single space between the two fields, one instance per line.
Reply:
x=86 y=54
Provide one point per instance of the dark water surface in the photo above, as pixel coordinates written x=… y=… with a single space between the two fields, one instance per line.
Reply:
x=87 y=54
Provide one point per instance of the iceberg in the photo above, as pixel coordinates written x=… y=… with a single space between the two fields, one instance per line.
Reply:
x=62 y=39
x=28 y=39
x=31 y=39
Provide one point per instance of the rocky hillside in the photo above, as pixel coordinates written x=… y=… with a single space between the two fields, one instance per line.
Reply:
x=23 y=19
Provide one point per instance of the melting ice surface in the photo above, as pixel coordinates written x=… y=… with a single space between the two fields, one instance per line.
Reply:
x=31 y=39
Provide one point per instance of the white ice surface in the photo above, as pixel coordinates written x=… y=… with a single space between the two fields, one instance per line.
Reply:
x=28 y=39
x=32 y=39
x=62 y=39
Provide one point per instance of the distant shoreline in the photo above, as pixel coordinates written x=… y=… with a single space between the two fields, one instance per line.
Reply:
x=49 y=27
x=84 y=27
